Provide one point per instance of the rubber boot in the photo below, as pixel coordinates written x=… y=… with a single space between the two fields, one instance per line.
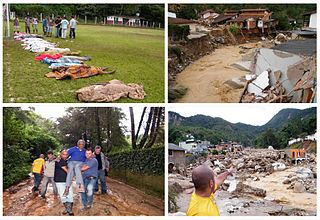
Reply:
x=70 y=208
x=66 y=206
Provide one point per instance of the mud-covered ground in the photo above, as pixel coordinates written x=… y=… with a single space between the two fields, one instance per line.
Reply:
x=121 y=200
x=206 y=78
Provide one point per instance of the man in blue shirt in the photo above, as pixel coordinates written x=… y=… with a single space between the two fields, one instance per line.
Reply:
x=90 y=174
x=44 y=25
x=77 y=156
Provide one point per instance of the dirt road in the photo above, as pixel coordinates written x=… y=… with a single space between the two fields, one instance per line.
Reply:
x=205 y=77
x=122 y=200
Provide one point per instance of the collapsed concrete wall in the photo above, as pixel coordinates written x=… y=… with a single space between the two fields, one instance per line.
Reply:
x=277 y=76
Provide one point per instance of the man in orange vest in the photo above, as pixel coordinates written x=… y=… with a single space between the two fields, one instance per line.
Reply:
x=37 y=170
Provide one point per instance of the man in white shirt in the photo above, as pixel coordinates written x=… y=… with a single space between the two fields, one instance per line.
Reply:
x=73 y=24
x=35 y=25
x=64 y=27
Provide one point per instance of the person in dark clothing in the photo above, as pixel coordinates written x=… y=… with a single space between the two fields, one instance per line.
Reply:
x=72 y=24
x=27 y=22
x=103 y=167
x=60 y=178
x=58 y=25
x=90 y=174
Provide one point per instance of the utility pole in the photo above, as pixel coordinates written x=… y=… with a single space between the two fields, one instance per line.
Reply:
x=8 y=20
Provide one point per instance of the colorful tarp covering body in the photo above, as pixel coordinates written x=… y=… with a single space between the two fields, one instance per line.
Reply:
x=77 y=71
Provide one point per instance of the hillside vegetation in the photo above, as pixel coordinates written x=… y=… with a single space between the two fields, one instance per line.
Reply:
x=286 y=124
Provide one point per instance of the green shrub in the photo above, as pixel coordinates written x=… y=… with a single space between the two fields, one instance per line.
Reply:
x=214 y=152
x=143 y=169
x=146 y=161
x=176 y=92
x=178 y=32
x=172 y=194
x=234 y=29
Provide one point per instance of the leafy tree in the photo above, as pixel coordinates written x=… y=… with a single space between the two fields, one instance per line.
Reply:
x=95 y=125
x=25 y=136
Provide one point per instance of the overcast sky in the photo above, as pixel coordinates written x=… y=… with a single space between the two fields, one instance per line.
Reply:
x=254 y=114
x=54 y=112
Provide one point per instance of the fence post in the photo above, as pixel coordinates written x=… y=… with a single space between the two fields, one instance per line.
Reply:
x=159 y=25
x=95 y=20
x=41 y=17
x=85 y=19
x=104 y=21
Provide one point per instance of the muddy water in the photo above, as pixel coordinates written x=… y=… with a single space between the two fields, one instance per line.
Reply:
x=205 y=77
x=122 y=200
x=278 y=191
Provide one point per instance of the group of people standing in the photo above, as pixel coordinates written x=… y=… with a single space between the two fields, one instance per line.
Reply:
x=88 y=167
x=61 y=25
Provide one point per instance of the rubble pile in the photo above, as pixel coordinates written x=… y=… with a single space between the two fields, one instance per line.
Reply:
x=280 y=38
x=278 y=76
x=304 y=180
x=239 y=192
x=246 y=189
x=253 y=161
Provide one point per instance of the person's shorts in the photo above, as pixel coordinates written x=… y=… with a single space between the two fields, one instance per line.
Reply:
x=50 y=29
x=35 y=26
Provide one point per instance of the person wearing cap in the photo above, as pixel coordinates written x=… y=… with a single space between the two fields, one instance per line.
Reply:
x=48 y=175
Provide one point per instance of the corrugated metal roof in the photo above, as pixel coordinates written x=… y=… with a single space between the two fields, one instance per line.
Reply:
x=180 y=21
x=206 y=11
x=175 y=147
x=222 y=18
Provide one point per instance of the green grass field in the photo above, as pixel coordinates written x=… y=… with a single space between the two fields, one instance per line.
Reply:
x=136 y=54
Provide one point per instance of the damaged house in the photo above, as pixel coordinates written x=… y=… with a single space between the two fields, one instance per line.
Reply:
x=193 y=26
x=194 y=146
x=230 y=146
x=254 y=21
x=225 y=17
x=208 y=16
x=177 y=157
x=310 y=20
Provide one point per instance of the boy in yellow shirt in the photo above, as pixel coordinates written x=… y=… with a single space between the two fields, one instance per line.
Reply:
x=202 y=201
x=37 y=170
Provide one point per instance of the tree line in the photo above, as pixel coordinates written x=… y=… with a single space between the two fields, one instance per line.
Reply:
x=153 y=131
x=152 y=12
x=295 y=128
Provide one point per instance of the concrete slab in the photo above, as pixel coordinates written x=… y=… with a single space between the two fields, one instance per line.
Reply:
x=243 y=65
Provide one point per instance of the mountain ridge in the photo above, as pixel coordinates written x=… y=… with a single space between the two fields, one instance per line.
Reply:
x=202 y=126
